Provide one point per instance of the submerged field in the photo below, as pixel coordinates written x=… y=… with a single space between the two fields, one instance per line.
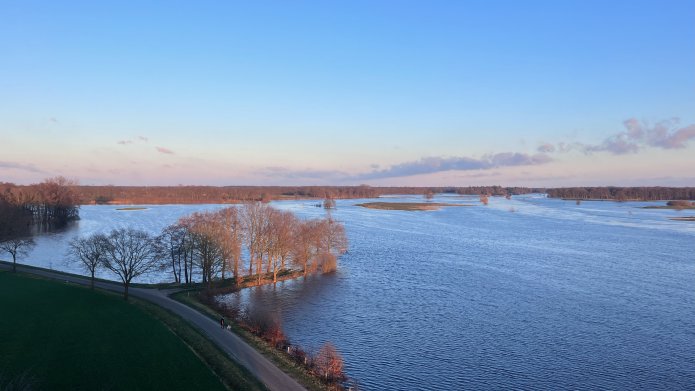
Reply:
x=61 y=337
x=407 y=206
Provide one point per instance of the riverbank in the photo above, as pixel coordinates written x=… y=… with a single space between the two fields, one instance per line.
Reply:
x=278 y=357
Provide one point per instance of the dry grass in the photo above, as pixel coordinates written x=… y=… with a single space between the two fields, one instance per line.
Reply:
x=407 y=206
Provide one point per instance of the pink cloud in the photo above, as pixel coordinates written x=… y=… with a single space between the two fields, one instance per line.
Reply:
x=164 y=150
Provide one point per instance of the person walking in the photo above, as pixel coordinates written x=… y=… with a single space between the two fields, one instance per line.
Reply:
x=222 y=322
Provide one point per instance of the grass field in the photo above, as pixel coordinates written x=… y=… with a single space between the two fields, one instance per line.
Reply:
x=67 y=337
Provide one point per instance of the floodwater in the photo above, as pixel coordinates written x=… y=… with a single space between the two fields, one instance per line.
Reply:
x=528 y=293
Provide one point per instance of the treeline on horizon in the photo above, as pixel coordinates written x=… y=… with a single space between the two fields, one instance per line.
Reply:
x=109 y=194
x=232 y=194
x=624 y=193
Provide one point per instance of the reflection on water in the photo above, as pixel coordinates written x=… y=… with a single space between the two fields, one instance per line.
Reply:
x=554 y=295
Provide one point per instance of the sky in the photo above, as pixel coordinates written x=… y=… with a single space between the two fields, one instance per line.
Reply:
x=413 y=93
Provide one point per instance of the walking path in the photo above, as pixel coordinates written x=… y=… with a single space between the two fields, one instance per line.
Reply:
x=230 y=343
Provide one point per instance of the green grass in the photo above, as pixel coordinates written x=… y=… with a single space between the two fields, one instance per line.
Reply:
x=233 y=375
x=68 y=337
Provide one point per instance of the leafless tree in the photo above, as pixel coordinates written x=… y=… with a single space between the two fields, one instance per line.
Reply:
x=89 y=252
x=230 y=240
x=255 y=220
x=328 y=363
x=206 y=231
x=17 y=247
x=484 y=199
x=305 y=244
x=129 y=253
x=329 y=203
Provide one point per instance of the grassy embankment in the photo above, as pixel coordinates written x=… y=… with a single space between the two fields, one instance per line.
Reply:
x=279 y=358
x=62 y=336
x=407 y=206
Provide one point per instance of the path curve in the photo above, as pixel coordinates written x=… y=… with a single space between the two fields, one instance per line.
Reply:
x=264 y=370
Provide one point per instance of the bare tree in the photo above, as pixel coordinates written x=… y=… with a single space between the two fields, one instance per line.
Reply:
x=278 y=239
x=205 y=230
x=255 y=219
x=89 y=252
x=329 y=203
x=230 y=240
x=484 y=199
x=305 y=244
x=129 y=253
x=328 y=363
x=17 y=247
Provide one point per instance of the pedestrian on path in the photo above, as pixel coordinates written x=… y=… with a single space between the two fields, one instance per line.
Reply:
x=222 y=322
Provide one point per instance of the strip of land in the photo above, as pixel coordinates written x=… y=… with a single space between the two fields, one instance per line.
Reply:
x=672 y=207
x=272 y=377
x=684 y=218
x=408 y=206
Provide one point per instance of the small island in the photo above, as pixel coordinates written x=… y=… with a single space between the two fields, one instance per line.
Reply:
x=677 y=205
x=684 y=218
x=408 y=206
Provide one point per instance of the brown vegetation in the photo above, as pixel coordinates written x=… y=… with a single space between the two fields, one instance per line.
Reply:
x=47 y=205
x=326 y=365
x=684 y=218
x=407 y=206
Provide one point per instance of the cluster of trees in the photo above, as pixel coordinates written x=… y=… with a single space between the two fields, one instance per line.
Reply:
x=211 y=245
x=49 y=204
x=24 y=209
x=624 y=193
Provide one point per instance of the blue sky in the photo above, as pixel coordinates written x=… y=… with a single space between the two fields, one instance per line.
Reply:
x=538 y=93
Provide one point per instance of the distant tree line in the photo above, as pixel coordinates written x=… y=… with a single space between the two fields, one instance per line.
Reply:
x=624 y=193
x=212 y=245
x=215 y=194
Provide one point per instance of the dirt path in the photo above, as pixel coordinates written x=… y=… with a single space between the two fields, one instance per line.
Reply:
x=230 y=343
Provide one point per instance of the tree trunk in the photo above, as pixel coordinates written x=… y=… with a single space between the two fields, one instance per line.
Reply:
x=125 y=290
x=92 y=283
x=14 y=263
